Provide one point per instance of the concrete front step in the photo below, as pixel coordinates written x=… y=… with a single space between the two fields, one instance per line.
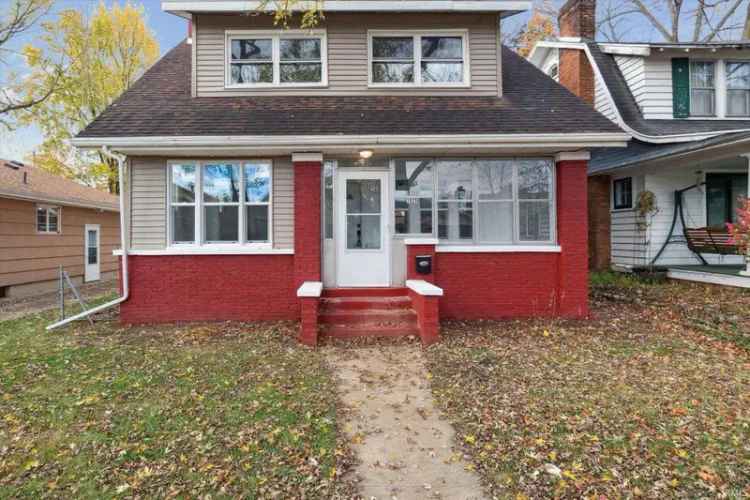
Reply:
x=359 y=303
x=352 y=331
x=354 y=316
x=365 y=292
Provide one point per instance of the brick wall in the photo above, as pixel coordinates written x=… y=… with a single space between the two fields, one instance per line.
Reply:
x=307 y=177
x=412 y=251
x=179 y=288
x=512 y=285
x=600 y=219
x=578 y=19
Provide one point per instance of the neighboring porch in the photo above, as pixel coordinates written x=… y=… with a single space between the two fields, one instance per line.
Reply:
x=727 y=275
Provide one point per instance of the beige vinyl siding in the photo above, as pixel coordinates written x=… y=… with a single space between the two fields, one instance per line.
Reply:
x=283 y=203
x=148 y=198
x=347 y=52
x=29 y=257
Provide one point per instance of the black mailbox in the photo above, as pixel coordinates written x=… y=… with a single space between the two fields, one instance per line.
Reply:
x=424 y=264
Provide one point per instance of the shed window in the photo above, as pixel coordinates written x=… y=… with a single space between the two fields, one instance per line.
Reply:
x=47 y=219
x=622 y=191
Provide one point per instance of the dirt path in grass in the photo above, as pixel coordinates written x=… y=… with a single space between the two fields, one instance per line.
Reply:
x=403 y=443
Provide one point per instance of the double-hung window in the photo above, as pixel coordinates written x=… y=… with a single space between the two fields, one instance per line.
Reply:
x=422 y=59
x=267 y=59
x=738 y=88
x=702 y=88
x=481 y=201
x=622 y=193
x=47 y=219
x=220 y=203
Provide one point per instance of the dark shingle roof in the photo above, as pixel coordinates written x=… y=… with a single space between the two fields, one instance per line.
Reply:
x=631 y=114
x=605 y=159
x=160 y=104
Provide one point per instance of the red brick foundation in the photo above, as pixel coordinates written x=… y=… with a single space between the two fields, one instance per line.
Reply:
x=309 y=325
x=180 y=288
x=428 y=316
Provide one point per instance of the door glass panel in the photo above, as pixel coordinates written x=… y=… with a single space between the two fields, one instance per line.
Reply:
x=363 y=196
x=363 y=232
x=93 y=253
x=363 y=214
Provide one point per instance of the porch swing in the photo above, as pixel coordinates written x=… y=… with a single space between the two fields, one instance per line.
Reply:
x=700 y=240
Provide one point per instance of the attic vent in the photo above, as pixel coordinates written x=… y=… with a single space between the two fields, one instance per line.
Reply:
x=15 y=165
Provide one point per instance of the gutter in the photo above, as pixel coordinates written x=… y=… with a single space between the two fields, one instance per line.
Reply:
x=123 y=233
x=297 y=143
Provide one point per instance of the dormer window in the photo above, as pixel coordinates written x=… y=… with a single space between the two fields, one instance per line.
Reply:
x=276 y=59
x=702 y=88
x=402 y=59
x=738 y=88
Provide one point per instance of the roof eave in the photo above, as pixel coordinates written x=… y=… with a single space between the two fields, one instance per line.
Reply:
x=506 y=7
x=58 y=201
x=339 y=143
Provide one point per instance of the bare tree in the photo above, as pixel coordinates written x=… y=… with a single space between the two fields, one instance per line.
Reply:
x=673 y=20
x=22 y=15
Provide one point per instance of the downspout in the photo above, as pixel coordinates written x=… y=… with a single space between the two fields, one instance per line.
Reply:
x=123 y=244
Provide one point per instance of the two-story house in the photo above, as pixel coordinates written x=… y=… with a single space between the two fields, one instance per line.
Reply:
x=664 y=200
x=393 y=166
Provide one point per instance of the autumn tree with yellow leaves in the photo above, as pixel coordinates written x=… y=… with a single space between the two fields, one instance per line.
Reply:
x=103 y=55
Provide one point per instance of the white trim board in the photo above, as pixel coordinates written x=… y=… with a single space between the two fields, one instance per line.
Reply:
x=508 y=7
x=207 y=250
x=498 y=249
x=712 y=278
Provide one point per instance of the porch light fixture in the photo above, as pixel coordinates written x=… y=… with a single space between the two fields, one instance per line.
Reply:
x=365 y=154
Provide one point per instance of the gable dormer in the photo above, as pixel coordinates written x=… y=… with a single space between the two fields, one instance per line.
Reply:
x=432 y=47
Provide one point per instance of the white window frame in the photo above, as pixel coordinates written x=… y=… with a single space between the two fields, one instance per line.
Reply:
x=417 y=35
x=717 y=69
x=200 y=241
x=47 y=209
x=275 y=36
x=474 y=242
x=727 y=89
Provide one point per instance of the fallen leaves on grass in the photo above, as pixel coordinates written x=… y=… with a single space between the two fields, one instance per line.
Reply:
x=232 y=410
x=636 y=402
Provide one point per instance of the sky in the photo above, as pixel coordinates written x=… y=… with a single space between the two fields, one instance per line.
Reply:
x=168 y=29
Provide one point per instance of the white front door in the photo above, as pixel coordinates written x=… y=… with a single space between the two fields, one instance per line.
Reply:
x=362 y=239
x=92 y=255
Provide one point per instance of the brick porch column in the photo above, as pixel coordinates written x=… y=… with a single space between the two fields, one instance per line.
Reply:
x=572 y=234
x=308 y=169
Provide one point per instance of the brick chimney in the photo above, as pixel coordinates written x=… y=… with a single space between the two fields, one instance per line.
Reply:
x=577 y=19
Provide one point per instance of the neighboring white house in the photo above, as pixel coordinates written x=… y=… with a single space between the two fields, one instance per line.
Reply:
x=687 y=107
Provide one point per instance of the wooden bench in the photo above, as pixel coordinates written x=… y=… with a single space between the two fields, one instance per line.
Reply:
x=711 y=240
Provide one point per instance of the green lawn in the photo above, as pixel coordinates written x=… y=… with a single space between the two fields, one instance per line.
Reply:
x=229 y=409
x=643 y=400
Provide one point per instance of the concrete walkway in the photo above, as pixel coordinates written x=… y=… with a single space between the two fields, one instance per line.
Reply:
x=403 y=444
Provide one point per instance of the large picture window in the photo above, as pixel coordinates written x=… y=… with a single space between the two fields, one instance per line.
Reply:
x=483 y=201
x=291 y=58
x=419 y=59
x=220 y=203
